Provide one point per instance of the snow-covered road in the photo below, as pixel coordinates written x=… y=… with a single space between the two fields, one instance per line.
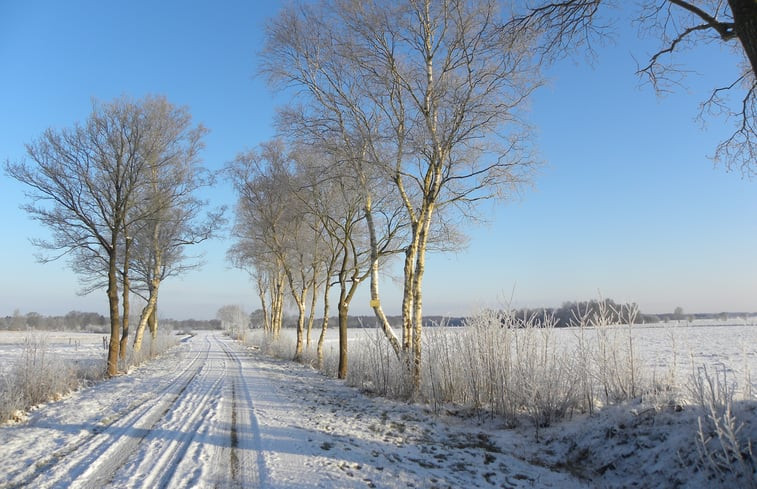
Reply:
x=210 y=414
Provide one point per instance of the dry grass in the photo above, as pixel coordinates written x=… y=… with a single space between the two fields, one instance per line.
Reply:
x=38 y=375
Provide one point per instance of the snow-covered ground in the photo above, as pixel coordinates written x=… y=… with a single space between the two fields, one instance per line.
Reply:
x=64 y=345
x=668 y=351
x=210 y=413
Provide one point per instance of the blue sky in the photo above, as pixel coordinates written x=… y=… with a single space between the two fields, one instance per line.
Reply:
x=627 y=204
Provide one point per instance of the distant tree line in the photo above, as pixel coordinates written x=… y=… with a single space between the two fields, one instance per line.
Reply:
x=573 y=313
x=72 y=321
x=566 y=315
x=92 y=322
x=369 y=321
x=193 y=324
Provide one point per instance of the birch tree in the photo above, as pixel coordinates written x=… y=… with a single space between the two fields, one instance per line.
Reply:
x=335 y=198
x=427 y=92
x=272 y=227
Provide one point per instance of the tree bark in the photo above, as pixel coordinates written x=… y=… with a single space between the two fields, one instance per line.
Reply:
x=115 y=321
x=126 y=290
x=277 y=306
x=417 y=293
x=299 y=299
x=153 y=325
x=300 y=329
x=343 y=316
x=411 y=253
x=375 y=301
x=324 y=324
x=311 y=317
x=745 y=24
x=144 y=318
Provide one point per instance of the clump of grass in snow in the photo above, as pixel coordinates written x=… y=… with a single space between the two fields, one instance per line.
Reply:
x=726 y=429
x=281 y=347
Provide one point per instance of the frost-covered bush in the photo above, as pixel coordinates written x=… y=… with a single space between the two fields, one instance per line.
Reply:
x=374 y=367
x=281 y=347
x=514 y=367
x=504 y=365
x=727 y=429
x=153 y=346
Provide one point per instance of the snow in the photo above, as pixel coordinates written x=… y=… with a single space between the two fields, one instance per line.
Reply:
x=83 y=348
x=213 y=413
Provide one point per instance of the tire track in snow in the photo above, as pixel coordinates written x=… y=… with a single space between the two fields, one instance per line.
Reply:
x=92 y=460
x=234 y=456
x=185 y=419
x=246 y=459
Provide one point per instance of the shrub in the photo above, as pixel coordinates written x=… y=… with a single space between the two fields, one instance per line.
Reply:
x=36 y=376
x=726 y=429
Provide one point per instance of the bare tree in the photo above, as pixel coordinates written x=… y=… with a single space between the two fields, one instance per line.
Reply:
x=336 y=200
x=272 y=227
x=426 y=95
x=680 y=25
x=172 y=218
x=233 y=318
x=84 y=184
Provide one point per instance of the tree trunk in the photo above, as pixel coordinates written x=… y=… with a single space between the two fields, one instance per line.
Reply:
x=299 y=299
x=417 y=292
x=300 y=329
x=277 y=306
x=343 y=315
x=375 y=302
x=145 y=316
x=745 y=25
x=153 y=323
x=324 y=324
x=126 y=290
x=311 y=318
x=264 y=305
x=407 y=296
x=115 y=320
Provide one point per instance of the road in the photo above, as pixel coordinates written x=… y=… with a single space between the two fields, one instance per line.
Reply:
x=195 y=426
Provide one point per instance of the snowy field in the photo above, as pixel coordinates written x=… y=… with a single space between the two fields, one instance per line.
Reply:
x=663 y=348
x=212 y=413
x=668 y=351
x=83 y=348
